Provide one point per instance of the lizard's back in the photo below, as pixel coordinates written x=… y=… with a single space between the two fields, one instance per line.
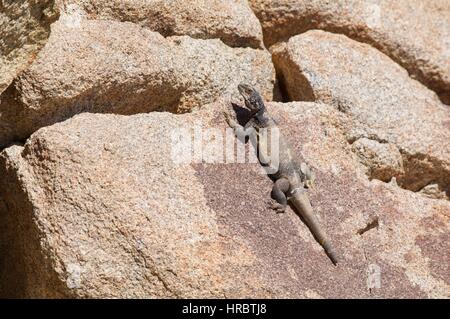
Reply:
x=286 y=163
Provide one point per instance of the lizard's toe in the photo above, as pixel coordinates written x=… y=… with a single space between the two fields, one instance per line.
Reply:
x=232 y=123
x=310 y=185
x=278 y=208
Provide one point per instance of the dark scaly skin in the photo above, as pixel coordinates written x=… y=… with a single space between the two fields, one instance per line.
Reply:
x=289 y=179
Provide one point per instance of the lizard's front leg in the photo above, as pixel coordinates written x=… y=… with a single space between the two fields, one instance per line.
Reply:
x=279 y=190
x=239 y=130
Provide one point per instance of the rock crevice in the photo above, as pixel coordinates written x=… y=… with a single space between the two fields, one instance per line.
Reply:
x=125 y=69
x=383 y=103
x=234 y=23
x=415 y=34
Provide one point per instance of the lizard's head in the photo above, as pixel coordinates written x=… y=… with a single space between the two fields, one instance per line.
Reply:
x=253 y=100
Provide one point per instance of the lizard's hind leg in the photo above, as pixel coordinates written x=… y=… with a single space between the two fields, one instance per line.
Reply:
x=279 y=190
x=307 y=175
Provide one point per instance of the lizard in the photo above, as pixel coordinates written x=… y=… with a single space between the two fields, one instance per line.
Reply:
x=291 y=181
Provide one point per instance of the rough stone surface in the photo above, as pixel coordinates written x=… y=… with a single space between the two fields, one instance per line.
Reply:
x=97 y=199
x=104 y=211
x=387 y=106
x=232 y=21
x=124 y=69
x=415 y=33
x=142 y=230
x=24 y=29
x=382 y=159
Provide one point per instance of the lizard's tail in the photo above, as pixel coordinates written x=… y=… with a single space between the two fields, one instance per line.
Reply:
x=304 y=208
x=330 y=252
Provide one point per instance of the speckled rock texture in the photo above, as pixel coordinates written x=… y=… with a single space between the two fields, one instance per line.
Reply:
x=124 y=69
x=414 y=33
x=24 y=29
x=231 y=21
x=104 y=211
x=119 y=177
x=407 y=124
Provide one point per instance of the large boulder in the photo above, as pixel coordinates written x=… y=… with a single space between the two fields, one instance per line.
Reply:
x=415 y=33
x=124 y=69
x=231 y=21
x=400 y=127
x=106 y=205
x=24 y=29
